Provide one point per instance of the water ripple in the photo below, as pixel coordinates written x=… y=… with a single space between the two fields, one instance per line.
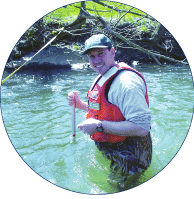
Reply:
x=38 y=121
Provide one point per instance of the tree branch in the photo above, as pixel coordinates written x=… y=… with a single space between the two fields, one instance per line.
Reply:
x=121 y=17
x=154 y=55
x=120 y=11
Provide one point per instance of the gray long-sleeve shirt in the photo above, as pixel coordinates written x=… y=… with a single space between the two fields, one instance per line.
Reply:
x=127 y=92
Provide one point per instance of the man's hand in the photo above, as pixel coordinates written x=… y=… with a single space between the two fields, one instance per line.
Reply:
x=73 y=98
x=89 y=126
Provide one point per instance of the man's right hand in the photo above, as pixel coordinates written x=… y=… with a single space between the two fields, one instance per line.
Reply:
x=73 y=98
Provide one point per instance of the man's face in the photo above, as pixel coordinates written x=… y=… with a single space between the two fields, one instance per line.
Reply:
x=101 y=59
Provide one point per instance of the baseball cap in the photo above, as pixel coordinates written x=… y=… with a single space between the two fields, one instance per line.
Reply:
x=97 y=41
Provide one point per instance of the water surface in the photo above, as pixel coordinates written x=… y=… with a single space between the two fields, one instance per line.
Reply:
x=37 y=119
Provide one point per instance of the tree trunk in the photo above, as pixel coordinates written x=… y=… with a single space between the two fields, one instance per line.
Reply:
x=156 y=40
x=77 y=24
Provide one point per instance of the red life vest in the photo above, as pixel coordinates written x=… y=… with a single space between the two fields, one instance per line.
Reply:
x=101 y=109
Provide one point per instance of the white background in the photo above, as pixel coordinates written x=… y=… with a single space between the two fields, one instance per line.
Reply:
x=19 y=181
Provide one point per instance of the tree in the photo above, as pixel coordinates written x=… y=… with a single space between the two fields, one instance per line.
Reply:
x=126 y=37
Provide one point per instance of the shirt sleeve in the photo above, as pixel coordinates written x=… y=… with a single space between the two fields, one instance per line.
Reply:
x=127 y=92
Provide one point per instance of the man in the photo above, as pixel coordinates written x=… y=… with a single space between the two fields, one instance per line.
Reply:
x=118 y=117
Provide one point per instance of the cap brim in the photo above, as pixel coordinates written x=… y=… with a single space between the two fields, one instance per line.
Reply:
x=93 y=47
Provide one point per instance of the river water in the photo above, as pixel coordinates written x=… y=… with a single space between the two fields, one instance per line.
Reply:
x=37 y=119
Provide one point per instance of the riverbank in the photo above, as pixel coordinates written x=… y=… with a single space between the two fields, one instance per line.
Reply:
x=57 y=56
x=64 y=52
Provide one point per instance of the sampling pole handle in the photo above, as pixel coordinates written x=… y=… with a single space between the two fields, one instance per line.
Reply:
x=73 y=120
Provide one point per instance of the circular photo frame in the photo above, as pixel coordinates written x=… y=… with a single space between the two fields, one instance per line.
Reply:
x=47 y=65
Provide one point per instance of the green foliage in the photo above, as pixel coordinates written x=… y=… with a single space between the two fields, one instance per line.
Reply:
x=108 y=13
x=63 y=15
x=143 y=28
x=75 y=46
x=54 y=32
x=66 y=15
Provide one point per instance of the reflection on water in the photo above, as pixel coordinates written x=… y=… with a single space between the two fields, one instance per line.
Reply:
x=38 y=121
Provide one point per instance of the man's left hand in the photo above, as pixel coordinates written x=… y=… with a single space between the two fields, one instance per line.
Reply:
x=89 y=126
